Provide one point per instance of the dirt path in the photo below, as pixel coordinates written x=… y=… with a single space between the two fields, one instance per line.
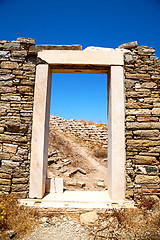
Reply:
x=96 y=173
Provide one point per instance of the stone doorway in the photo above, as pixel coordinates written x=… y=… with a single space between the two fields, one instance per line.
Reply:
x=90 y=60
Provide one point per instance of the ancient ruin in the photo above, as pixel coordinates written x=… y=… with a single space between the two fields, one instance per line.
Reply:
x=133 y=114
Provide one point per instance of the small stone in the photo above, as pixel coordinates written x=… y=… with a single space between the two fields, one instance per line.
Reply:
x=144 y=179
x=9 y=65
x=156 y=111
x=129 y=45
x=100 y=184
x=89 y=218
x=80 y=184
x=10 y=148
x=4 y=54
x=29 y=41
x=12 y=46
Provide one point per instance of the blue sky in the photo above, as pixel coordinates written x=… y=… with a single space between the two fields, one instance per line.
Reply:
x=100 y=23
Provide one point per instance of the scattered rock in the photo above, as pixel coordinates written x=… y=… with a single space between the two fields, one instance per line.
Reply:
x=89 y=217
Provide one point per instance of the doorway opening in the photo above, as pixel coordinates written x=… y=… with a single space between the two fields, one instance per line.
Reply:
x=78 y=133
x=90 y=60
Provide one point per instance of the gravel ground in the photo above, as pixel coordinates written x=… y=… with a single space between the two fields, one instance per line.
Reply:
x=60 y=229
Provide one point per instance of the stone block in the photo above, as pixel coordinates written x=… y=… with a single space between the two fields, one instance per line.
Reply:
x=19 y=180
x=129 y=45
x=54 y=185
x=142 y=143
x=9 y=164
x=12 y=46
x=19 y=187
x=138 y=76
x=10 y=97
x=147 y=119
x=6 y=89
x=151 y=170
x=9 y=65
x=156 y=111
x=144 y=179
x=5 y=156
x=149 y=85
x=28 y=41
x=4 y=54
x=19 y=195
x=5 y=181
x=10 y=148
x=143 y=125
x=146 y=133
x=138 y=112
x=22 y=53
x=25 y=89
x=1 y=128
x=5 y=175
x=59 y=185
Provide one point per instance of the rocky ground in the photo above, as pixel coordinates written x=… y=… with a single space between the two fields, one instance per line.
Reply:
x=95 y=225
x=75 y=163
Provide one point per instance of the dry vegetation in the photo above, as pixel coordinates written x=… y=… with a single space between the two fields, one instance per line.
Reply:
x=142 y=222
x=15 y=220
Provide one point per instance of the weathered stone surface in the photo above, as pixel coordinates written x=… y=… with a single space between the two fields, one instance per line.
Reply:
x=9 y=164
x=5 y=181
x=22 y=53
x=144 y=125
x=5 y=175
x=4 y=54
x=7 y=89
x=8 y=64
x=147 y=119
x=19 y=180
x=138 y=112
x=12 y=138
x=12 y=46
x=10 y=148
x=145 y=50
x=129 y=45
x=156 y=111
x=145 y=160
x=146 y=133
x=1 y=129
x=138 y=76
x=19 y=187
x=8 y=97
x=149 y=85
x=7 y=77
x=151 y=170
x=144 y=143
x=89 y=217
x=29 y=41
x=25 y=89
x=143 y=179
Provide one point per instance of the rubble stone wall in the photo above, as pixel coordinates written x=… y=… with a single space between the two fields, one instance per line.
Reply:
x=18 y=60
x=97 y=133
x=17 y=79
x=142 y=89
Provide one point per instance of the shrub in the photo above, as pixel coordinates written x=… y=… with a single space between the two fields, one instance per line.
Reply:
x=15 y=217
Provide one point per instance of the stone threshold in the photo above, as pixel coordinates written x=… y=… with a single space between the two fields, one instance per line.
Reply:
x=77 y=200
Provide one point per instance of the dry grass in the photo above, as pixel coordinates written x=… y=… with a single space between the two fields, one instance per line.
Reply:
x=142 y=222
x=14 y=217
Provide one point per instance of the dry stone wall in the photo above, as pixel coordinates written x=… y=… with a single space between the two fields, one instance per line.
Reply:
x=18 y=60
x=17 y=80
x=81 y=130
x=142 y=86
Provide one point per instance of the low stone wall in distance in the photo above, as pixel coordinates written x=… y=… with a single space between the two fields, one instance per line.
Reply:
x=87 y=131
